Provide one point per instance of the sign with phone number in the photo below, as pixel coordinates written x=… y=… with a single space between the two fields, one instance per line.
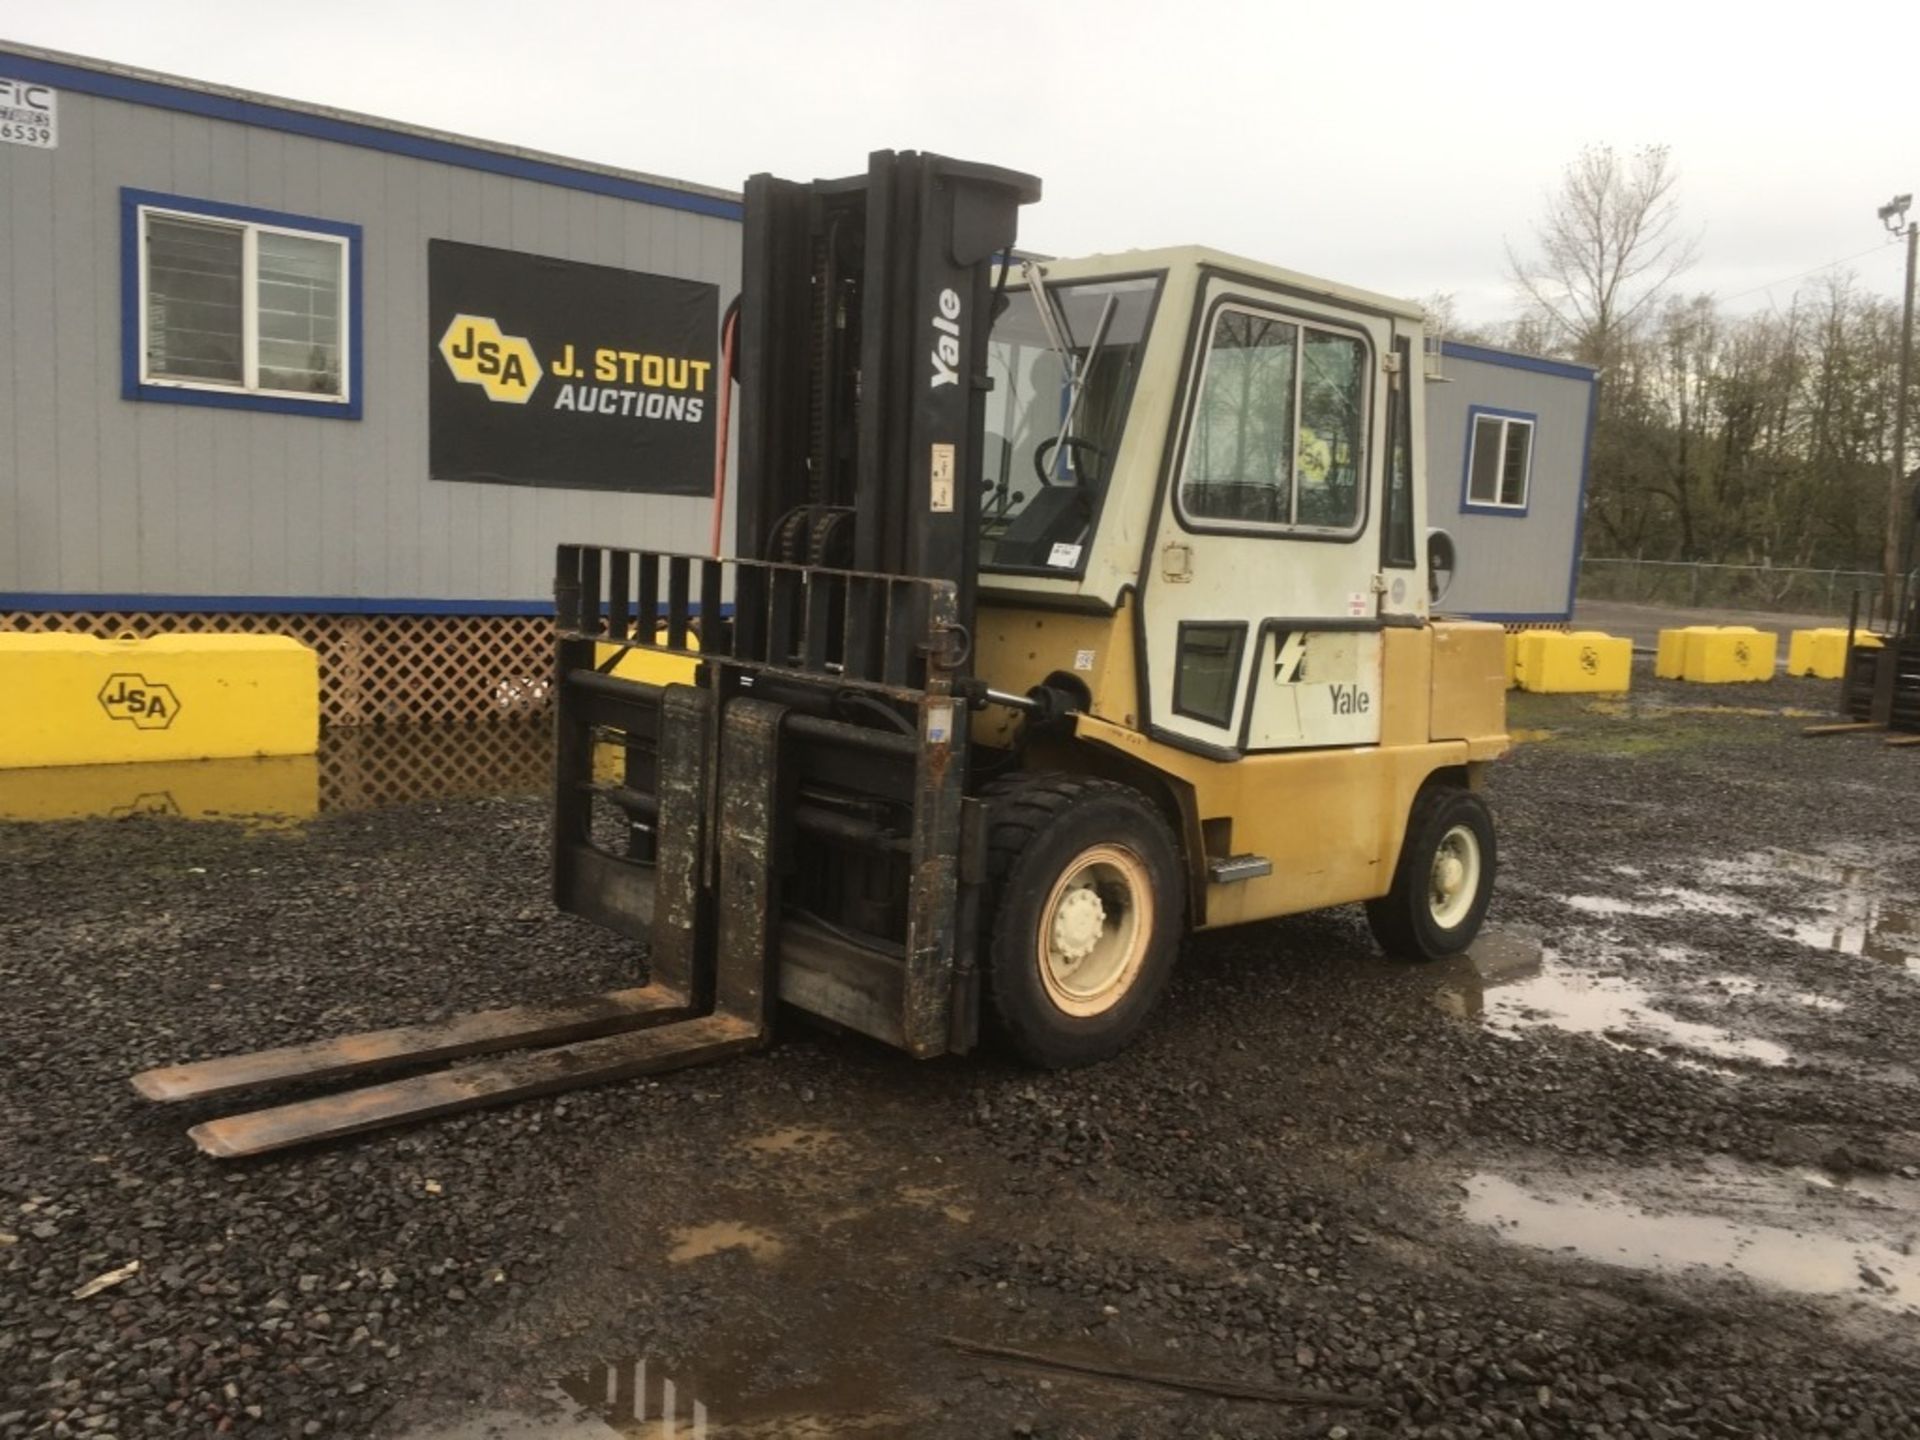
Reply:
x=27 y=114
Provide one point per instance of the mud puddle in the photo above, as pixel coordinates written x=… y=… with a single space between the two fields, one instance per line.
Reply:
x=834 y=1223
x=1840 y=903
x=1513 y=984
x=1844 y=904
x=355 y=768
x=1807 y=1232
x=640 y=1401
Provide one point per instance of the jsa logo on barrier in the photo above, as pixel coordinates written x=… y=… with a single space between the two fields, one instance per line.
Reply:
x=146 y=704
x=479 y=354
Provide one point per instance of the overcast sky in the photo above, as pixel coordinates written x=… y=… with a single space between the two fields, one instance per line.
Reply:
x=1388 y=145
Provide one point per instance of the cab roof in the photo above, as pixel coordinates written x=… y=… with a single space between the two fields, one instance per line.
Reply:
x=1197 y=257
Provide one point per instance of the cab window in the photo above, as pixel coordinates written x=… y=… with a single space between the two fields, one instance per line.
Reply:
x=1278 y=433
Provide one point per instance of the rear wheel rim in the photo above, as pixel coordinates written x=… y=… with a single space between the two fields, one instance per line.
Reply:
x=1453 y=883
x=1093 y=932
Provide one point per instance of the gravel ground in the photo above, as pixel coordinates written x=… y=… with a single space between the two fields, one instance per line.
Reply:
x=1277 y=1185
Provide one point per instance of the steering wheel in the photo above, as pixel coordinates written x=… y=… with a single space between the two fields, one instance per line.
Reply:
x=1083 y=451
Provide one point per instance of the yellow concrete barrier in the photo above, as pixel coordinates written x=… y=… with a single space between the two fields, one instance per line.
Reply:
x=1716 y=654
x=1583 y=662
x=1822 y=653
x=1728 y=655
x=1670 y=660
x=269 y=788
x=653 y=667
x=77 y=700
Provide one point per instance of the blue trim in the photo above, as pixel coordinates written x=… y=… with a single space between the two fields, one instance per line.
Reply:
x=1565 y=369
x=267 y=604
x=1580 y=504
x=1505 y=512
x=1502 y=618
x=20 y=600
x=132 y=387
x=264 y=115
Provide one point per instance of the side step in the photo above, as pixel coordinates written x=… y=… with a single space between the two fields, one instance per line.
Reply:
x=1232 y=869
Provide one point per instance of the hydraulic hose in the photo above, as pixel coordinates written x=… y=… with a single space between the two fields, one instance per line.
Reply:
x=729 y=331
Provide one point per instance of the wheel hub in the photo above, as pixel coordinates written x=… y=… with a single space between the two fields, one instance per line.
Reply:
x=1454 y=881
x=1094 y=929
x=1077 y=924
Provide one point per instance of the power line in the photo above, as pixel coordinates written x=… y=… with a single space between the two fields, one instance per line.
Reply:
x=1772 y=284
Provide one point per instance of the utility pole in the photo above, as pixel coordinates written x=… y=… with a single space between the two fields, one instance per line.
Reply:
x=1893 y=215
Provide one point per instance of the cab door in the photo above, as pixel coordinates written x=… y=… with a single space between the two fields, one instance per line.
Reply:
x=1263 y=591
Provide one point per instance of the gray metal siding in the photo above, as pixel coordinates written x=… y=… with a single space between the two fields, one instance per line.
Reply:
x=1509 y=565
x=102 y=495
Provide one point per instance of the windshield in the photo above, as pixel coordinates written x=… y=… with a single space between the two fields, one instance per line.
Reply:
x=1049 y=452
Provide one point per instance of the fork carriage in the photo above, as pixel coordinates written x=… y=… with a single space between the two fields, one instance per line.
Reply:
x=792 y=805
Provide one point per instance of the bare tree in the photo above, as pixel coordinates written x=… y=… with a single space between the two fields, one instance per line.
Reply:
x=1609 y=244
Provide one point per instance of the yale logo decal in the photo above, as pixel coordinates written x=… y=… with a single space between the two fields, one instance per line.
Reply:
x=1349 y=700
x=1290 y=668
x=946 y=341
x=1290 y=658
x=479 y=354
x=146 y=704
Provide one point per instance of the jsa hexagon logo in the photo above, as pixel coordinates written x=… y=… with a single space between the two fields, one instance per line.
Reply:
x=144 y=703
x=479 y=354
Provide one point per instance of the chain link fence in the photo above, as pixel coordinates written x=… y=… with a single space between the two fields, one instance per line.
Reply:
x=1684 y=584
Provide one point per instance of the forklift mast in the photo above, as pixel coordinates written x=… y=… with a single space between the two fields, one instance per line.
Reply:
x=760 y=761
x=865 y=310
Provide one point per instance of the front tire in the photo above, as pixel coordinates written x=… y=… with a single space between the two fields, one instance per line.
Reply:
x=1088 y=903
x=1444 y=881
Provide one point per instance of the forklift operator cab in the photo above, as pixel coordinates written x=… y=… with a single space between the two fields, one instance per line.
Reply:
x=1202 y=471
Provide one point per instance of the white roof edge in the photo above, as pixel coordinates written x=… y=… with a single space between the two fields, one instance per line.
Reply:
x=1172 y=255
x=355 y=117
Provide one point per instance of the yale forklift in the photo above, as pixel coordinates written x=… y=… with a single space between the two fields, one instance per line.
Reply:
x=1075 y=605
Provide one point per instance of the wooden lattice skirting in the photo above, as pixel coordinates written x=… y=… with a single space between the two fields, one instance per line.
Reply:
x=374 y=669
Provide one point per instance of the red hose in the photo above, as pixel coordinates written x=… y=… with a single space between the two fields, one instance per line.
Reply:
x=727 y=333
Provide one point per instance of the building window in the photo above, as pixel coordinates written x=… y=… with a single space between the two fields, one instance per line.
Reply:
x=1278 y=430
x=229 y=305
x=1499 y=460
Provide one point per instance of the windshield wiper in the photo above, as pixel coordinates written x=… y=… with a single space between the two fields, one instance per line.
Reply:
x=1053 y=319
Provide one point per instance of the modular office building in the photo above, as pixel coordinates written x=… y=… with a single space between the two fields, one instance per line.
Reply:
x=274 y=367
x=1508 y=437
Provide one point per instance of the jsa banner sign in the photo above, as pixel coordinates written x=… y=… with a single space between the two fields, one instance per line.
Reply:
x=550 y=372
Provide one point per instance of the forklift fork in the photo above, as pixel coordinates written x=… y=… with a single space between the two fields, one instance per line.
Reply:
x=705 y=1001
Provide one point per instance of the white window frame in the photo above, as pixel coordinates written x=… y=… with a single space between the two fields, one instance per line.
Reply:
x=1532 y=426
x=250 y=232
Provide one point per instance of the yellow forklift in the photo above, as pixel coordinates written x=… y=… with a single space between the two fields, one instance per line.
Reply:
x=1075 y=605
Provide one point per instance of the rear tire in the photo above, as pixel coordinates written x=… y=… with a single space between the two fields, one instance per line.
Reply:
x=1087 y=903
x=1444 y=880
